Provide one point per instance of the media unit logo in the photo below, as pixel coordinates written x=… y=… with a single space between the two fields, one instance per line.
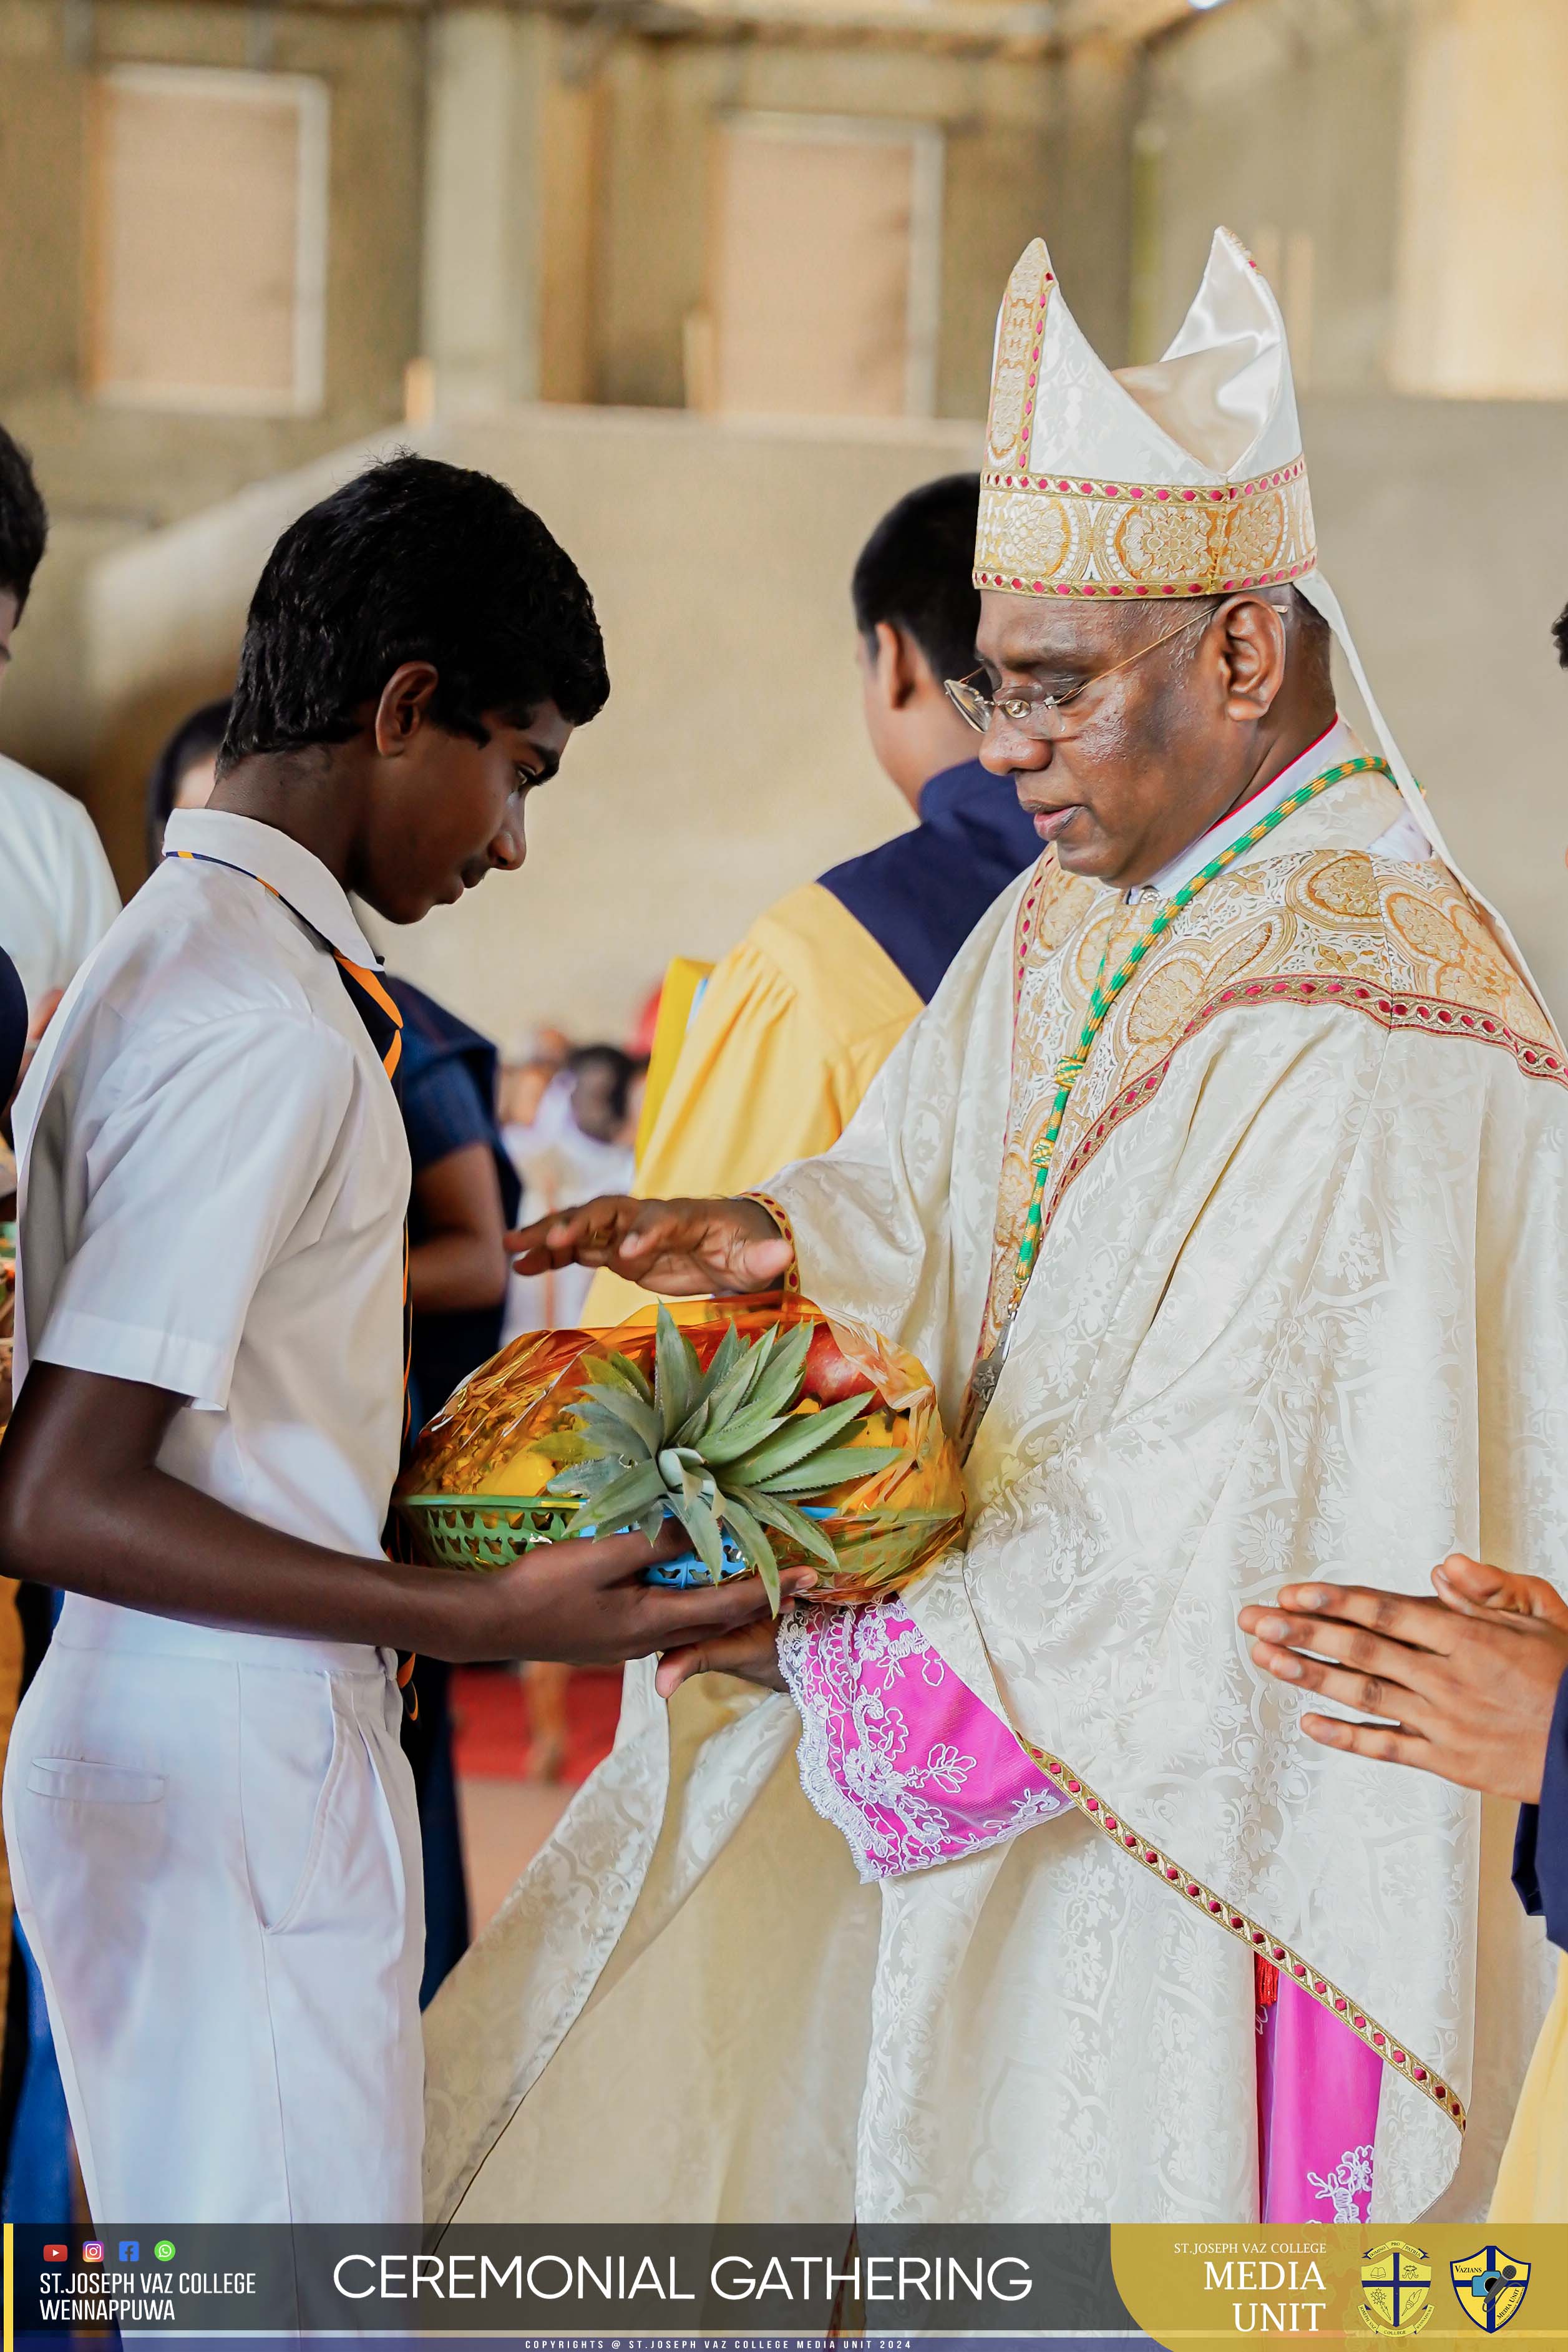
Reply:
x=1491 y=2286
x=1396 y=2288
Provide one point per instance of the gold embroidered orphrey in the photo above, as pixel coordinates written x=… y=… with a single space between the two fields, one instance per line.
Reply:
x=1399 y=945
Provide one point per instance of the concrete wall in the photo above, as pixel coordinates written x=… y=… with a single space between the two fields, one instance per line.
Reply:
x=521 y=202
x=730 y=762
x=660 y=101
x=1444 y=525
x=111 y=474
x=1282 y=119
x=730 y=765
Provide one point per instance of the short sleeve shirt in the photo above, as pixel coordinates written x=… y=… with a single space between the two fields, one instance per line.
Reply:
x=214 y=1183
x=56 y=891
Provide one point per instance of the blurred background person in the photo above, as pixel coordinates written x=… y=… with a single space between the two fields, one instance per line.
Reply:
x=57 y=896
x=465 y=1193
x=791 y=1027
x=579 y=1143
x=525 y=1080
x=183 y=774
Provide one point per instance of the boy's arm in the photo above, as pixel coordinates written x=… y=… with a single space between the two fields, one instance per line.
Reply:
x=84 y=1506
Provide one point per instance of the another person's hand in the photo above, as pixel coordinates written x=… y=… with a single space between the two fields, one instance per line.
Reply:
x=1472 y=1588
x=686 y=1249
x=752 y=1653
x=1467 y=1693
x=586 y=1601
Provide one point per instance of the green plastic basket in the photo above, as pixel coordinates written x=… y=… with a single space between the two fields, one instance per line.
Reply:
x=875 y=1549
x=484 y=1531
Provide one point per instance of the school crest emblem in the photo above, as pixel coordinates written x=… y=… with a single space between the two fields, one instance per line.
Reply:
x=1491 y=2286
x=1396 y=2289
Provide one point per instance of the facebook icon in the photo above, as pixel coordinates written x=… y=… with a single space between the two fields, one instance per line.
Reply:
x=130 y=2250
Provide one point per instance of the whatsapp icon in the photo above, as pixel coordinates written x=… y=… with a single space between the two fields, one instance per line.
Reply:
x=164 y=2251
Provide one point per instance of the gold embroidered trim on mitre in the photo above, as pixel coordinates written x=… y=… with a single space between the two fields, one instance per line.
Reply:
x=1045 y=535
x=1014 y=372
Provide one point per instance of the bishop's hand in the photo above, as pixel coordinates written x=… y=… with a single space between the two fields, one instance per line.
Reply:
x=684 y=1249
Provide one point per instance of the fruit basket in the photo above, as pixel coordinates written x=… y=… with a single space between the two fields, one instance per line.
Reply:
x=774 y=1434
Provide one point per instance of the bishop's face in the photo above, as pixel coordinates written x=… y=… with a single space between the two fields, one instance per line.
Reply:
x=1144 y=756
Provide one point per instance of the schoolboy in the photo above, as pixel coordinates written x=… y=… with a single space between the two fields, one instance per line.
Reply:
x=210 y=1820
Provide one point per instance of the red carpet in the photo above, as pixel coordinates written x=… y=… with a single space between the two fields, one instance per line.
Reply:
x=490 y=1722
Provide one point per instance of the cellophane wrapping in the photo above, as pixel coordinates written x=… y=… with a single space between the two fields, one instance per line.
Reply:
x=487 y=1439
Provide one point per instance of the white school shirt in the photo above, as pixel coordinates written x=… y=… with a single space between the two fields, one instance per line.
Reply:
x=57 y=892
x=214 y=1181
x=1404 y=837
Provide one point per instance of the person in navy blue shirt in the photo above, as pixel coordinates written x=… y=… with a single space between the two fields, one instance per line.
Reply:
x=13 y=1027
x=466 y=1195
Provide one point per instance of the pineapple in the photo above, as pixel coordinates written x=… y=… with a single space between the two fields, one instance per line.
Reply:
x=729 y=1451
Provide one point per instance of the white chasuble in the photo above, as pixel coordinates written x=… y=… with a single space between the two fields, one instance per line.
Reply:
x=1301 y=1309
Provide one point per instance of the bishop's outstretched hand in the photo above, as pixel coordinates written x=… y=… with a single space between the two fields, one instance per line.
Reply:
x=684 y=1249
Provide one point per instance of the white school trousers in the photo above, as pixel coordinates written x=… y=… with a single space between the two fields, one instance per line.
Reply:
x=216 y=1855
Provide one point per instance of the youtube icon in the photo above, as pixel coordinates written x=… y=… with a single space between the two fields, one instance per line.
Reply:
x=57 y=2253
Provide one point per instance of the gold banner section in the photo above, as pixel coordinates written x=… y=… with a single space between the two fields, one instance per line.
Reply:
x=1446 y=2283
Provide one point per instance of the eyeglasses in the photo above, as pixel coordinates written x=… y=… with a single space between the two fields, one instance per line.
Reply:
x=1037 y=714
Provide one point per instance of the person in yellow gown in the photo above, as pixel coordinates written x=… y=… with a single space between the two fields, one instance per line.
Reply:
x=791 y=1028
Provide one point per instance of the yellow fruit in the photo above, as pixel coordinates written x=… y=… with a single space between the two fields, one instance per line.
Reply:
x=882 y=1429
x=529 y=1473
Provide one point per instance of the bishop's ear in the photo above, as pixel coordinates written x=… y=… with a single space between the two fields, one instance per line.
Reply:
x=1254 y=655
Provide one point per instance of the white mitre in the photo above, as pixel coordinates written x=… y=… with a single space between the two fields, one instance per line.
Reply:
x=1182 y=478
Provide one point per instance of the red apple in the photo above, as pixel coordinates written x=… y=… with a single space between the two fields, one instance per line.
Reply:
x=830 y=1376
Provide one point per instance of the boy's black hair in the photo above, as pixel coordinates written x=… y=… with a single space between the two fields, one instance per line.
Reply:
x=414 y=561
x=1560 y=635
x=915 y=572
x=24 y=519
x=199 y=736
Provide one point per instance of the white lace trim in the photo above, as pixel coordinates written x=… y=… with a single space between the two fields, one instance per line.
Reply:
x=1351 y=2179
x=822 y=1655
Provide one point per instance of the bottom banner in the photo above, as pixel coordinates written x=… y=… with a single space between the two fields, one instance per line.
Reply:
x=1070 y=2285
